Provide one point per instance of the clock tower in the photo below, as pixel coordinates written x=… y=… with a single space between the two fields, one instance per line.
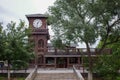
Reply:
x=40 y=35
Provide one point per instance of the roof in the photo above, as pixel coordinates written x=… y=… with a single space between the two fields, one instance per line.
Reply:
x=62 y=55
x=50 y=45
x=37 y=15
x=73 y=45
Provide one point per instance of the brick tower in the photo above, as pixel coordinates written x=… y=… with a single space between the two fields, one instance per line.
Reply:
x=40 y=35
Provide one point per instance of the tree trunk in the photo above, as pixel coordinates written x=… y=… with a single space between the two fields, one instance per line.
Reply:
x=90 y=76
x=8 y=71
x=8 y=74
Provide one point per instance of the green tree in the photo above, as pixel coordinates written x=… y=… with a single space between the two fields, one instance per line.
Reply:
x=107 y=18
x=17 y=49
x=1 y=39
x=108 y=66
x=86 y=21
x=73 y=21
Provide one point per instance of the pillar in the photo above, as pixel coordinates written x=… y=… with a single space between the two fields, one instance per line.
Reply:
x=44 y=62
x=67 y=62
x=55 y=61
x=78 y=60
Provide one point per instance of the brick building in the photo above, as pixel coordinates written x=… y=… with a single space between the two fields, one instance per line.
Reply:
x=48 y=56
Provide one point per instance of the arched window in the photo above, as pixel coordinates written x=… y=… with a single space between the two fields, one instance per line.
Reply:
x=40 y=43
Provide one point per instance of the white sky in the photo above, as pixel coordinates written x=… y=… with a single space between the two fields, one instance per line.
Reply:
x=13 y=10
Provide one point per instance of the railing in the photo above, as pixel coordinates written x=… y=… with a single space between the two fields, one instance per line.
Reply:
x=32 y=75
x=76 y=51
x=78 y=74
x=80 y=67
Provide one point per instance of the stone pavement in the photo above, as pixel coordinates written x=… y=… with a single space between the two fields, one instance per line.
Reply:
x=57 y=70
x=44 y=70
x=55 y=74
x=50 y=73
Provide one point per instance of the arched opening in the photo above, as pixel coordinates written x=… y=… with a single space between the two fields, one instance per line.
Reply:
x=41 y=43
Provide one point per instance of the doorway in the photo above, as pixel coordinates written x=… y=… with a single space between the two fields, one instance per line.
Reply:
x=61 y=62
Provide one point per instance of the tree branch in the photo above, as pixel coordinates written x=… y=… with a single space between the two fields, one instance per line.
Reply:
x=114 y=23
x=116 y=40
x=90 y=19
x=106 y=37
x=79 y=13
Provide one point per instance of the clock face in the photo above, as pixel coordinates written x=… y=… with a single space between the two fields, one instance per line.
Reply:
x=37 y=23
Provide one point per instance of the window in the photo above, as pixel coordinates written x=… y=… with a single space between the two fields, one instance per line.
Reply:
x=73 y=60
x=50 y=60
x=40 y=43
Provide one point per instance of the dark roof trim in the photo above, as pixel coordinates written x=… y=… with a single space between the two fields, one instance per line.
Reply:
x=37 y=15
x=68 y=55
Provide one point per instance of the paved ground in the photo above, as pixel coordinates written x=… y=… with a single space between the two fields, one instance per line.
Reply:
x=49 y=73
x=44 y=70
x=58 y=70
x=55 y=74
x=62 y=75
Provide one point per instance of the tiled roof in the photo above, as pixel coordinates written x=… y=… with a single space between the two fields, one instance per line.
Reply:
x=37 y=15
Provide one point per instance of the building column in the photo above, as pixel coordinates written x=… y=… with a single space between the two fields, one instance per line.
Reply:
x=79 y=61
x=44 y=62
x=36 y=60
x=67 y=62
x=55 y=61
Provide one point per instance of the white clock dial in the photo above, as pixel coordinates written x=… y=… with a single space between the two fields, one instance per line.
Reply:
x=37 y=23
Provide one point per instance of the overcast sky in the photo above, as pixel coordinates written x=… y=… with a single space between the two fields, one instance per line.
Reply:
x=13 y=10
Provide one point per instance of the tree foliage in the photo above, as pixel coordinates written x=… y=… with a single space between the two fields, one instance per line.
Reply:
x=16 y=45
x=1 y=39
x=108 y=66
x=16 y=49
x=70 y=20
x=86 y=21
x=108 y=20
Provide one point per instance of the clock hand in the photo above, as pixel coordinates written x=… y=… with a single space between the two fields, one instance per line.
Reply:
x=37 y=23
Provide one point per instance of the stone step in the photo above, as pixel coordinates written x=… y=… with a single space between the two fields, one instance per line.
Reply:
x=55 y=76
